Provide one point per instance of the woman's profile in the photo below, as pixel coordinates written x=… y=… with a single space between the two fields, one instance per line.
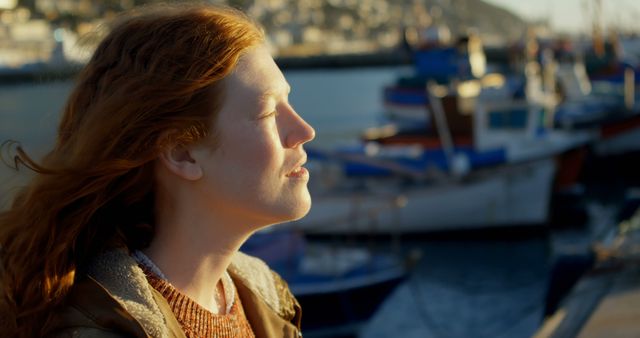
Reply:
x=177 y=143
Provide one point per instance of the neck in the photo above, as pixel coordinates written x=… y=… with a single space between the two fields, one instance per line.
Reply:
x=193 y=252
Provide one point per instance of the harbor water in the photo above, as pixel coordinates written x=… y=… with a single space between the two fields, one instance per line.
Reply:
x=464 y=286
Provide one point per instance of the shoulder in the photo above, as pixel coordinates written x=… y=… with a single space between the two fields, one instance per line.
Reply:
x=89 y=311
x=254 y=273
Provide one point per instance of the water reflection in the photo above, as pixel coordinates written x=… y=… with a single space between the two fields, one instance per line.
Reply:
x=469 y=288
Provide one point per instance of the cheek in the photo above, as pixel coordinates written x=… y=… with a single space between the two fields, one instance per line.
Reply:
x=254 y=177
x=257 y=154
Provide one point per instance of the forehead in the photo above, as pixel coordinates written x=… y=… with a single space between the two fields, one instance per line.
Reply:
x=257 y=74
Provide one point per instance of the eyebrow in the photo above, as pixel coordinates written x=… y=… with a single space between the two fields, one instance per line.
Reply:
x=274 y=93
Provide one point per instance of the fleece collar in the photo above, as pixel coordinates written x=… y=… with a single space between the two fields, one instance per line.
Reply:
x=120 y=274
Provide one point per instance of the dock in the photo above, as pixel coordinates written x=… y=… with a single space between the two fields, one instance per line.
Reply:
x=606 y=301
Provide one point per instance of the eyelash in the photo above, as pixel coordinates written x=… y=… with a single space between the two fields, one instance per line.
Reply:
x=273 y=113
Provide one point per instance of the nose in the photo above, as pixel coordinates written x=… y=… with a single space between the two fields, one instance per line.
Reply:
x=298 y=131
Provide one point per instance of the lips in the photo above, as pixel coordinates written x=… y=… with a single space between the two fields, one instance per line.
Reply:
x=299 y=171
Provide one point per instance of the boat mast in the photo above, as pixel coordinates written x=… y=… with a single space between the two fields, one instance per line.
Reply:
x=598 y=34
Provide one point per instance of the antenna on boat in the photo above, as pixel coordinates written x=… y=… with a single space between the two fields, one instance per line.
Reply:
x=598 y=38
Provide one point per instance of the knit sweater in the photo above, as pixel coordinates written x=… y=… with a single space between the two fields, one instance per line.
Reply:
x=198 y=322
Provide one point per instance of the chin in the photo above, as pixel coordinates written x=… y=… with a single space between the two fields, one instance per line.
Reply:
x=304 y=206
x=300 y=210
x=301 y=213
x=296 y=210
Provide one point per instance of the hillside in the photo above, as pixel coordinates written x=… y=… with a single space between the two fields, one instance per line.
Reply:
x=325 y=24
x=490 y=21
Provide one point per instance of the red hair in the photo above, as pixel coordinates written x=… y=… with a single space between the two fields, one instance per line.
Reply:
x=154 y=78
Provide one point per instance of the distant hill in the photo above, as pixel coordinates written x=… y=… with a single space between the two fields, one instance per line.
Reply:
x=492 y=22
x=350 y=20
x=375 y=20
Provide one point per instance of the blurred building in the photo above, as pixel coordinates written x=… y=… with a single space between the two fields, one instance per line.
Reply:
x=294 y=27
x=24 y=40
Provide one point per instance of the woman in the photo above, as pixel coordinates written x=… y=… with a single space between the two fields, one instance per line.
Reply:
x=176 y=145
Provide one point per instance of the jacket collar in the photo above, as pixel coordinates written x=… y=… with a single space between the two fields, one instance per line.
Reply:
x=119 y=274
x=121 y=277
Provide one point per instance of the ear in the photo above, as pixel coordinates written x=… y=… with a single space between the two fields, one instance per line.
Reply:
x=178 y=160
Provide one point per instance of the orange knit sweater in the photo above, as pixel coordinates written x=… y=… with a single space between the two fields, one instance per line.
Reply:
x=198 y=322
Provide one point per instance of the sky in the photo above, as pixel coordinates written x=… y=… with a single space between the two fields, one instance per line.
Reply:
x=572 y=15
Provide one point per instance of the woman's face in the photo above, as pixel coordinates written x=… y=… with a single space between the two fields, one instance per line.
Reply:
x=255 y=173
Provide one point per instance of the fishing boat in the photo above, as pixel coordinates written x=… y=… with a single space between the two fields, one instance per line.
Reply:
x=611 y=73
x=339 y=287
x=501 y=180
x=482 y=161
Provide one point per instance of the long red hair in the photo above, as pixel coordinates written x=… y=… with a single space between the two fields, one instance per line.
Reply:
x=154 y=78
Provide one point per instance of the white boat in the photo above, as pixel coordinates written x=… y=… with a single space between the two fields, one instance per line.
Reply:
x=492 y=163
x=504 y=179
x=502 y=196
x=340 y=286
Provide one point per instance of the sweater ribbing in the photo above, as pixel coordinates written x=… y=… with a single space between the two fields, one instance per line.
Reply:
x=195 y=320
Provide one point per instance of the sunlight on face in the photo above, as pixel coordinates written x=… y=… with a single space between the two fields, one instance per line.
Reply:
x=256 y=170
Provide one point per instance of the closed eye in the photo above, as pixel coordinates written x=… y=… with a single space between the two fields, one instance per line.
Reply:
x=271 y=114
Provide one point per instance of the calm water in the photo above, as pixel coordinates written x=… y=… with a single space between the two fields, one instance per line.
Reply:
x=461 y=288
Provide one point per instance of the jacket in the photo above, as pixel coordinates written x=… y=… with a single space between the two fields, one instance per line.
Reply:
x=114 y=299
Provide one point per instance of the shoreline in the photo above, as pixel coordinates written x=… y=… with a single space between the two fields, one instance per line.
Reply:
x=378 y=59
x=385 y=58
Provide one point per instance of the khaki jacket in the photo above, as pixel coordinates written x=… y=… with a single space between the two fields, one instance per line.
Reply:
x=115 y=300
